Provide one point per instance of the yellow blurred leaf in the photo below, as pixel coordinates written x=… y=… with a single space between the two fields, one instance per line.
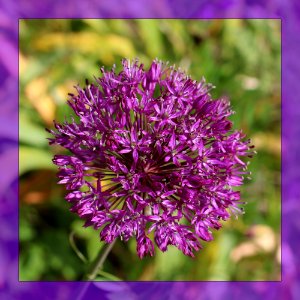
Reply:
x=243 y=250
x=23 y=63
x=262 y=239
x=104 y=46
x=60 y=92
x=36 y=92
x=278 y=254
x=267 y=141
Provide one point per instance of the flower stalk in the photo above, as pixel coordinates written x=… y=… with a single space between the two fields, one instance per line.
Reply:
x=98 y=262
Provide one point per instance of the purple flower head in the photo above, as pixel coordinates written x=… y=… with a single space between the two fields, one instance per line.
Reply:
x=152 y=156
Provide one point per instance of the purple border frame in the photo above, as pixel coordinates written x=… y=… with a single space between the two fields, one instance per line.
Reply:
x=11 y=11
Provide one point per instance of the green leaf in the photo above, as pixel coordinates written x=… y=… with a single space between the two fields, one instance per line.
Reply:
x=150 y=33
x=26 y=230
x=31 y=133
x=33 y=158
x=169 y=263
x=221 y=266
x=32 y=263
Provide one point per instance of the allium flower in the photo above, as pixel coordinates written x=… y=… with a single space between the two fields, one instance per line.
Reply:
x=152 y=156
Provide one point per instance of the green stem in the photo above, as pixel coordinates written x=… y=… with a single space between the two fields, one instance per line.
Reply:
x=94 y=269
x=98 y=263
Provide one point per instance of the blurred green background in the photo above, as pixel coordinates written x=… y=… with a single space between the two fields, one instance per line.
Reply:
x=240 y=57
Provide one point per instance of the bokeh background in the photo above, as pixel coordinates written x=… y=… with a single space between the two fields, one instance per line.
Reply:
x=240 y=57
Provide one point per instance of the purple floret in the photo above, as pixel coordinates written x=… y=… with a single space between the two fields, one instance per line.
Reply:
x=152 y=156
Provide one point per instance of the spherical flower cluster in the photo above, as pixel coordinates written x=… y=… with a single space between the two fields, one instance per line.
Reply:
x=152 y=156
